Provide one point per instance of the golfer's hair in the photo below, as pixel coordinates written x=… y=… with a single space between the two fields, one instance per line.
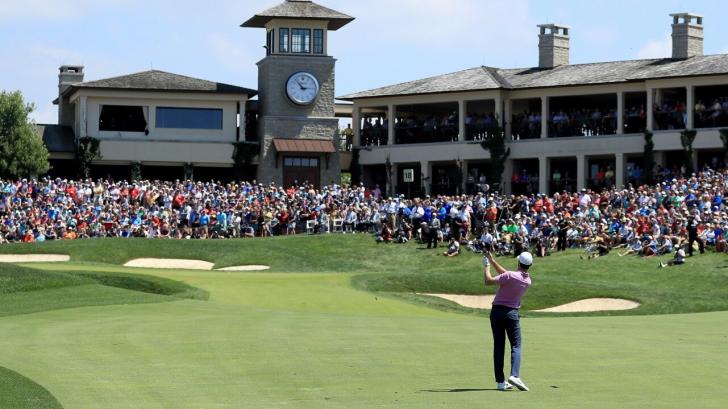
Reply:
x=523 y=267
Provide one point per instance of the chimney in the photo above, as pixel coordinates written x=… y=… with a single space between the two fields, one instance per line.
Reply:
x=553 y=45
x=69 y=75
x=687 y=35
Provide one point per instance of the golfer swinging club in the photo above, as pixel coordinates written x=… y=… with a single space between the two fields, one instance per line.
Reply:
x=504 y=318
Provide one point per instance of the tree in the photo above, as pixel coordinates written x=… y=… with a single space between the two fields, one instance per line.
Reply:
x=687 y=137
x=88 y=150
x=22 y=153
x=355 y=168
x=649 y=156
x=244 y=154
x=499 y=153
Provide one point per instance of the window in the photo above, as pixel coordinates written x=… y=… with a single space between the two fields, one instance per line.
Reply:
x=270 y=42
x=301 y=41
x=297 y=162
x=318 y=41
x=283 y=39
x=189 y=118
x=122 y=118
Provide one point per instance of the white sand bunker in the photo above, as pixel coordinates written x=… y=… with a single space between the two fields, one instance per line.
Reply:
x=483 y=302
x=33 y=258
x=168 y=263
x=244 y=268
x=595 y=304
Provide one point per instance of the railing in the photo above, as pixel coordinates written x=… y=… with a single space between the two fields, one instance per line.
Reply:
x=666 y=120
x=712 y=118
x=415 y=134
x=566 y=127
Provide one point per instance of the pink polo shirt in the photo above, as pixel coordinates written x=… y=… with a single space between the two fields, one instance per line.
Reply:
x=512 y=286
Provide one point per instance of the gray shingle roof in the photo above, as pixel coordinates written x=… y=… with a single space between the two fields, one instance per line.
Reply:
x=57 y=138
x=485 y=78
x=155 y=80
x=300 y=9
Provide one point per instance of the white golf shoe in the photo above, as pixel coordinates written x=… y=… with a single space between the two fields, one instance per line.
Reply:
x=518 y=383
x=505 y=386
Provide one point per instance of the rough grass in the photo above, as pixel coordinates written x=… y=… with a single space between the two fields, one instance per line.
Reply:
x=402 y=270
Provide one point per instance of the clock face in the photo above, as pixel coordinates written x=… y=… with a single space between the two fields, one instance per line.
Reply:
x=302 y=88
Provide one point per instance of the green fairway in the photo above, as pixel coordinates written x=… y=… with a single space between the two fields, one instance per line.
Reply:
x=308 y=337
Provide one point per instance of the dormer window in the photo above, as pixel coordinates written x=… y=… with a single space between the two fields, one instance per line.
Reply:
x=301 y=41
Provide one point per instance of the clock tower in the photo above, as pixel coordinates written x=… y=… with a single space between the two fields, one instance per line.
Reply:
x=297 y=128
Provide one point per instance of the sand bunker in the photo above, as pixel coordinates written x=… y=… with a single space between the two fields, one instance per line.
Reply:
x=595 y=304
x=33 y=258
x=181 y=264
x=244 y=268
x=483 y=302
x=167 y=263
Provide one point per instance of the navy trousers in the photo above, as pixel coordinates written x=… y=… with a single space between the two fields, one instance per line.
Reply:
x=505 y=321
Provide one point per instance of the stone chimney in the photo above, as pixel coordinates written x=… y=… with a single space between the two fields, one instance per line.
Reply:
x=69 y=75
x=687 y=35
x=553 y=45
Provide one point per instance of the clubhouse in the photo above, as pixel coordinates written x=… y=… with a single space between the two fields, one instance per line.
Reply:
x=568 y=126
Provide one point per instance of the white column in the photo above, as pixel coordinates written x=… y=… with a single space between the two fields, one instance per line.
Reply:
x=391 y=115
x=580 y=172
x=649 y=109
x=545 y=115
x=462 y=106
x=356 y=125
x=508 y=118
x=543 y=174
x=426 y=170
x=506 y=178
x=690 y=108
x=619 y=170
x=620 y=113
x=83 y=118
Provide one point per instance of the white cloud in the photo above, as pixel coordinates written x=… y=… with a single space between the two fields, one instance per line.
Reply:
x=656 y=49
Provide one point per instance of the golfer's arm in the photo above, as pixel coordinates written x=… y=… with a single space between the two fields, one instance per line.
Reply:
x=489 y=279
x=498 y=268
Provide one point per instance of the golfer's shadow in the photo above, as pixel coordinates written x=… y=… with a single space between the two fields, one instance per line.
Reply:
x=459 y=390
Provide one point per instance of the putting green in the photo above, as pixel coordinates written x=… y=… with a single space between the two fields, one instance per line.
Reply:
x=310 y=340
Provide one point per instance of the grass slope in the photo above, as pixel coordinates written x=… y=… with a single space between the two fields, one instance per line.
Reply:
x=19 y=392
x=402 y=270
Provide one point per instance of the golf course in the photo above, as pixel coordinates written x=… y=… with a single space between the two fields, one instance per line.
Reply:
x=338 y=321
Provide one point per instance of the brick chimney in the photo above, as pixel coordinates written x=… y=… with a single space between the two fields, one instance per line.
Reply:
x=687 y=35
x=553 y=45
x=69 y=75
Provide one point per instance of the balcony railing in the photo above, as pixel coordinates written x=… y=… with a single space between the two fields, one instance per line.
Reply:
x=564 y=126
x=428 y=133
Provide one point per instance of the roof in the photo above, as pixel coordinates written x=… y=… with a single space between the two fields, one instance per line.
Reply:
x=57 y=138
x=304 y=145
x=487 y=78
x=300 y=9
x=155 y=80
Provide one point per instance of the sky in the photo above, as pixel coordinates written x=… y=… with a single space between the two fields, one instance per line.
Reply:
x=390 y=41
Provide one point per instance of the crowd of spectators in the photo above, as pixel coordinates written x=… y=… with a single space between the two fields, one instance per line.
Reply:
x=645 y=220
x=427 y=129
x=712 y=115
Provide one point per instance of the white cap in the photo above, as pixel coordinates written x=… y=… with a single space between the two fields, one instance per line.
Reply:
x=525 y=258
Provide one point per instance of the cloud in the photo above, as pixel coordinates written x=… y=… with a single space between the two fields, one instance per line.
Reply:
x=656 y=49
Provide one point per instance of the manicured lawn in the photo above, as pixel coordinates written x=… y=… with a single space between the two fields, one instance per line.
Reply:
x=301 y=336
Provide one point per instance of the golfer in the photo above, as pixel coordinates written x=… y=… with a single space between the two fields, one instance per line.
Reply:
x=504 y=318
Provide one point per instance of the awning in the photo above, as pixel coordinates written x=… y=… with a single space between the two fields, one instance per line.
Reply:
x=304 y=145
